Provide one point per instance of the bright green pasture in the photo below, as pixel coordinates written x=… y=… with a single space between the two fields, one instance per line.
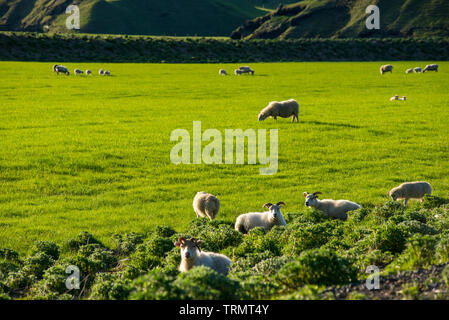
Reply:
x=93 y=153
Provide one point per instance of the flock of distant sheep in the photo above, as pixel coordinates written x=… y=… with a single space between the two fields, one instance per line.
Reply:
x=63 y=70
x=206 y=205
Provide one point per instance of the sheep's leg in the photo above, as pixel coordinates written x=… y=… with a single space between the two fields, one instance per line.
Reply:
x=275 y=117
x=406 y=202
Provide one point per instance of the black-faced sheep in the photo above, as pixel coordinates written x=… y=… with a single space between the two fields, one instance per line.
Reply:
x=246 y=69
x=78 y=71
x=333 y=208
x=192 y=256
x=417 y=70
x=206 y=205
x=88 y=72
x=266 y=220
x=386 y=68
x=60 y=69
x=411 y=190
x=409 y=71
x=222 y=72
x=283 y=109
x=431 y=67
x=101 y=72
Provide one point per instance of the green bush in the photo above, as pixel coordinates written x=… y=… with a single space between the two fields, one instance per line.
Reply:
x=155 y=285
x=49 y=248
x=442 y=250
x=206 y=284
x=390 y=238
x=431 y=201
x=316 y=266
x=82 y=239
x=37 y=264
x=128 y=242
x=109 y=286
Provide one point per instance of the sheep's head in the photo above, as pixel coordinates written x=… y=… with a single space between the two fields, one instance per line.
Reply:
x=311 y=199
x=189 y=248
x=394 y=194
x=262 y=116
x=275 y=211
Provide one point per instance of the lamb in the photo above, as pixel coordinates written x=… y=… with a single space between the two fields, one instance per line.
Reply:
x=266 y=220
x=417 y=70
x=246 y=69
x=396 y=97
x=206 y=205
x=411 y=190
x=282 y=109
x=386 y=68
x=409 y=71
x=60 y=69
x=192 y=256
x=107 y=73
x=101 y=72
x=88 y=72
x=222 y=72
x=431 y=67
x=333 y=208
x=78 y=71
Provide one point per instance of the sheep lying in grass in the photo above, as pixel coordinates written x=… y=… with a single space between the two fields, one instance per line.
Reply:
x=403 y=98
x=266 y=220
x=246 y=69
x=88 y=72
x=409 y=71
x=417 y=70
x=431 y=67
x=192 y=256
x=411 y=190
x=78 y=71
x=333 y=208
x=282 y=109
x=396 y=97
x=386 y=68
x=206 y=205
x=222 y=72
x=60 y=69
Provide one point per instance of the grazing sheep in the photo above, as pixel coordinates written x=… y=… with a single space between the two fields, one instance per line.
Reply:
x=60 y=69
x=386 y=68
x=283 y=109
x=192 y=256
x=403 y=98
x=431 y=67
x=333 y=208
x=238 y=72
x=78 y=71
x=266 y=220
x=417 y=70
x=411 y=190
x=396 y=97
x=246 y=69
x=88 y=72
x=206 y=205
x=409 y=71
x=222 y=72
x=107 y=73
x=101 y=72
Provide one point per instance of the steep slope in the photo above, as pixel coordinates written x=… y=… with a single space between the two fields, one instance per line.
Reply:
x=156 y=17
x=346 y=18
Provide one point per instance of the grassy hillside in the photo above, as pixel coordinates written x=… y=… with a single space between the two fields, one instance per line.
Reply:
x=346 y=18
x=156 y=17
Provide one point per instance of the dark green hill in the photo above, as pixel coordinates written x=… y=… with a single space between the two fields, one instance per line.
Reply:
x=346 y=19
x=143 y=17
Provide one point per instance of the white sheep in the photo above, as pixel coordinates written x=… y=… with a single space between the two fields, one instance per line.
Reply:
x=101 y=72
x=333 y=208
x=431 y=67
x=238 y=72
x=417 y=70
x=206 y=205
x=222 y=72
x=411 y=190
x=386 y=68
x=396 y=97
x=283 y=109
x=60 y=69
x=409 y=71
x=107 y=73
x=266 y=220
x=192 y=256
x=403 y=98
x=246 y=69
x=78 y=71
x=88 y=72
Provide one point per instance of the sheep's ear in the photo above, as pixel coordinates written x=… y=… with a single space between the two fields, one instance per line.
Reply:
x=177 y=244
x=280 y=203
x=199 y=242
x=267 y=205
x=305 y=194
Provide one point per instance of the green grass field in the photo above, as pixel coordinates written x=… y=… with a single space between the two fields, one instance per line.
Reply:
x=93 y=153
